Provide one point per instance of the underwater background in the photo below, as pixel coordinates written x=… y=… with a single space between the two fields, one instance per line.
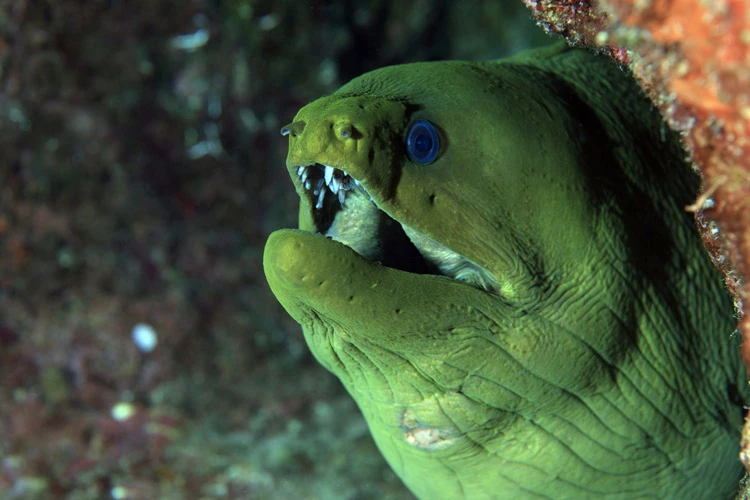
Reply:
x=142 y=355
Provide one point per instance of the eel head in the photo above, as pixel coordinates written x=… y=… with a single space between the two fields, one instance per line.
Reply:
x=460 y=266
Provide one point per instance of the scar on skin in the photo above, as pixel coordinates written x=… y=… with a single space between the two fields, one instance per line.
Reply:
x=424 y=437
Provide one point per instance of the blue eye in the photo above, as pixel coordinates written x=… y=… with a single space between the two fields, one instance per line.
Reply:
x=422 y=142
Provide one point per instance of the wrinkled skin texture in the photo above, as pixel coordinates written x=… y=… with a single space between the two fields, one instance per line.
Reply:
x=603 y=364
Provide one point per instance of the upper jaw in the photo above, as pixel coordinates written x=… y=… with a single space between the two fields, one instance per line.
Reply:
x=323 y=190
x=323 y=179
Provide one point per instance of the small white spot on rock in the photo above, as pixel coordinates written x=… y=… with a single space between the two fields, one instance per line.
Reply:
x=268 y=22
x=191 y=42
x=328 y=72
x=122 y=411
x=119 y=493
x=144 y=337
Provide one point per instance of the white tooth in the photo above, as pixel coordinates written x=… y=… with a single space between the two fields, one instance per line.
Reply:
x=303 y=177
x=328 y=174
x=334 y=186
x=319 y=185
x=319 y=204
x=308 y=185
x=342 y=196
x=301 y=170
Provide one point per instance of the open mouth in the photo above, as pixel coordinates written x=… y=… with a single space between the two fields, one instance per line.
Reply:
x=344 y=211
x=329 y=186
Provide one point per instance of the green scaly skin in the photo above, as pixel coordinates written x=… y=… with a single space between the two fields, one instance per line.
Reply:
x=601 y=363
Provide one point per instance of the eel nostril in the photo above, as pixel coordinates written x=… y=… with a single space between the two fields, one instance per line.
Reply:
x=293 y=129
x=347 y=131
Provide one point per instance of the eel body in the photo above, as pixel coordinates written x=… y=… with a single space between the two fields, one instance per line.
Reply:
x=514 y=293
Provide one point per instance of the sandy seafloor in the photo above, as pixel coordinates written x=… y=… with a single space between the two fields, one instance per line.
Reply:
x=141 y=171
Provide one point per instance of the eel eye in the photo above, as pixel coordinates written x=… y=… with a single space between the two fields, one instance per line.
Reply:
x=422 y=142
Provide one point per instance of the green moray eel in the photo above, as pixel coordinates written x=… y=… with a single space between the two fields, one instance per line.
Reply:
x=496 y=261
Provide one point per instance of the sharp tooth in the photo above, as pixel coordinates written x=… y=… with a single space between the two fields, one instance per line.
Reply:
x=319 y=185
x=303 y=177
x=334 y=185
x=342 y=196
x=301 y=170
x=328 y=174
x=308 y=185
x=319 y=204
